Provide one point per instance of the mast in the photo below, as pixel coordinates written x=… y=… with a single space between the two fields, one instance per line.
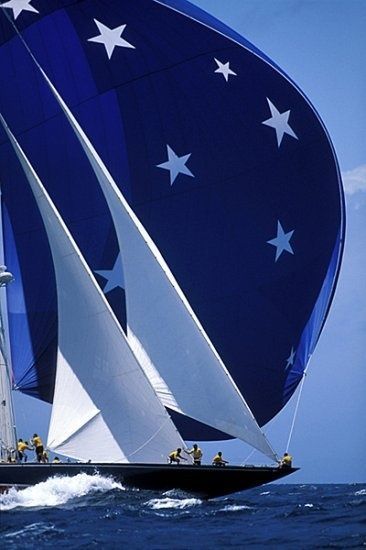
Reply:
x=8 y=437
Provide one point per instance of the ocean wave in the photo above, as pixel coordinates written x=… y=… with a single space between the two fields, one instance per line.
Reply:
x=355 y=503
x=360 y=492
x=37 y=529
x=176 y=493
x=56 y=491
x=301 y=509
x=235 y=508
x=172 y=503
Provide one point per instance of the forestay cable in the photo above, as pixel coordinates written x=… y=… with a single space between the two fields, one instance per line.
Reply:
x=296 y=410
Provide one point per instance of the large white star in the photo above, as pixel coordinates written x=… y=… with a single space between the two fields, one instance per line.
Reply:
x=224 y=69
x=290 y=359
x=18 y=6
x=114 y=276
x=176 y=165
x=281 y=241
x=110 y=38
x=279 y=121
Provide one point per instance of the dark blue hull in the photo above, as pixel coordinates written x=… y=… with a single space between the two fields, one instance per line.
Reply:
x=203 y=481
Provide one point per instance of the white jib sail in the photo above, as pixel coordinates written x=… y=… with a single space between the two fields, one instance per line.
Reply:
x=104 y=406
x=162 y=325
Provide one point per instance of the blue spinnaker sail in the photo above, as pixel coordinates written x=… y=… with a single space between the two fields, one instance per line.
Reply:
x=220 y=155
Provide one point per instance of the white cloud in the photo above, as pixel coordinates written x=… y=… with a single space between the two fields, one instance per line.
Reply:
x=354 y=180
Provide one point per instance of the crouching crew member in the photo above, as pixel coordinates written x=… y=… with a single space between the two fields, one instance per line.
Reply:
x=175 y=456
x=286 y=461
x=218 y=460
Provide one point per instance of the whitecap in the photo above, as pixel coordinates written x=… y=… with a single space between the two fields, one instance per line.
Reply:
x=175 y=493
x=266 y=493
x=360 y=492
x=235 y=508
x=56 y=491
x=172 y=503
x=309 y=505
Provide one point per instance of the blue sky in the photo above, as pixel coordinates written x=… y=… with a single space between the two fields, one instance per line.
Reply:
x=320 y=44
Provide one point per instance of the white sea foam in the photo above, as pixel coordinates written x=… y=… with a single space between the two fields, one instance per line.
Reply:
x=235 y=508
x=309 y=505
x=266 y=493
x=360 y=492
x=173 y=503
x=56 y=491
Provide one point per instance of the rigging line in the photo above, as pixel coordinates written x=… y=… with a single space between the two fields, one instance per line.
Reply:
x=296 y=410
x=247 y=458
x=150 y=438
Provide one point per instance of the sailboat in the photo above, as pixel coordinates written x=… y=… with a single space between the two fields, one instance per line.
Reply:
x=119 y=397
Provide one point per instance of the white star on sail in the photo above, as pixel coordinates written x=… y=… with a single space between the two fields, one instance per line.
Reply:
x=279 y=121
x=176 y=165
x=281 y=241
x=224 y=69
x=290 y=359
x=110 y=38
x=18 y=6
x=114 y=276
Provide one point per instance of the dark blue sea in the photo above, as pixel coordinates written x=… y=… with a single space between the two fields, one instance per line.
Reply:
x=89 y=511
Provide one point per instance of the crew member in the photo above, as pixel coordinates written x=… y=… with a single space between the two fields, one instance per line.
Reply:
x=22 y=447
x=218 y=460
x=38 y=445
x=175 y=456
x=286 y=461
x=197 y=454
x=56 y=460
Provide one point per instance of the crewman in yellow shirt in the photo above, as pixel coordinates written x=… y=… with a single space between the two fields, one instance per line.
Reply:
x=218 y=460
x=38 y=445
x=175 y=456
x=286 y=461
x=22 y=447
x=196 y=453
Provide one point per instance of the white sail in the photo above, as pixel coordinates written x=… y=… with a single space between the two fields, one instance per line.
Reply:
x=104 y=406
x=162 y=325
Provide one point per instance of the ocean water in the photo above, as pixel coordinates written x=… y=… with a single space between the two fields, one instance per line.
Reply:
x=86 y=511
